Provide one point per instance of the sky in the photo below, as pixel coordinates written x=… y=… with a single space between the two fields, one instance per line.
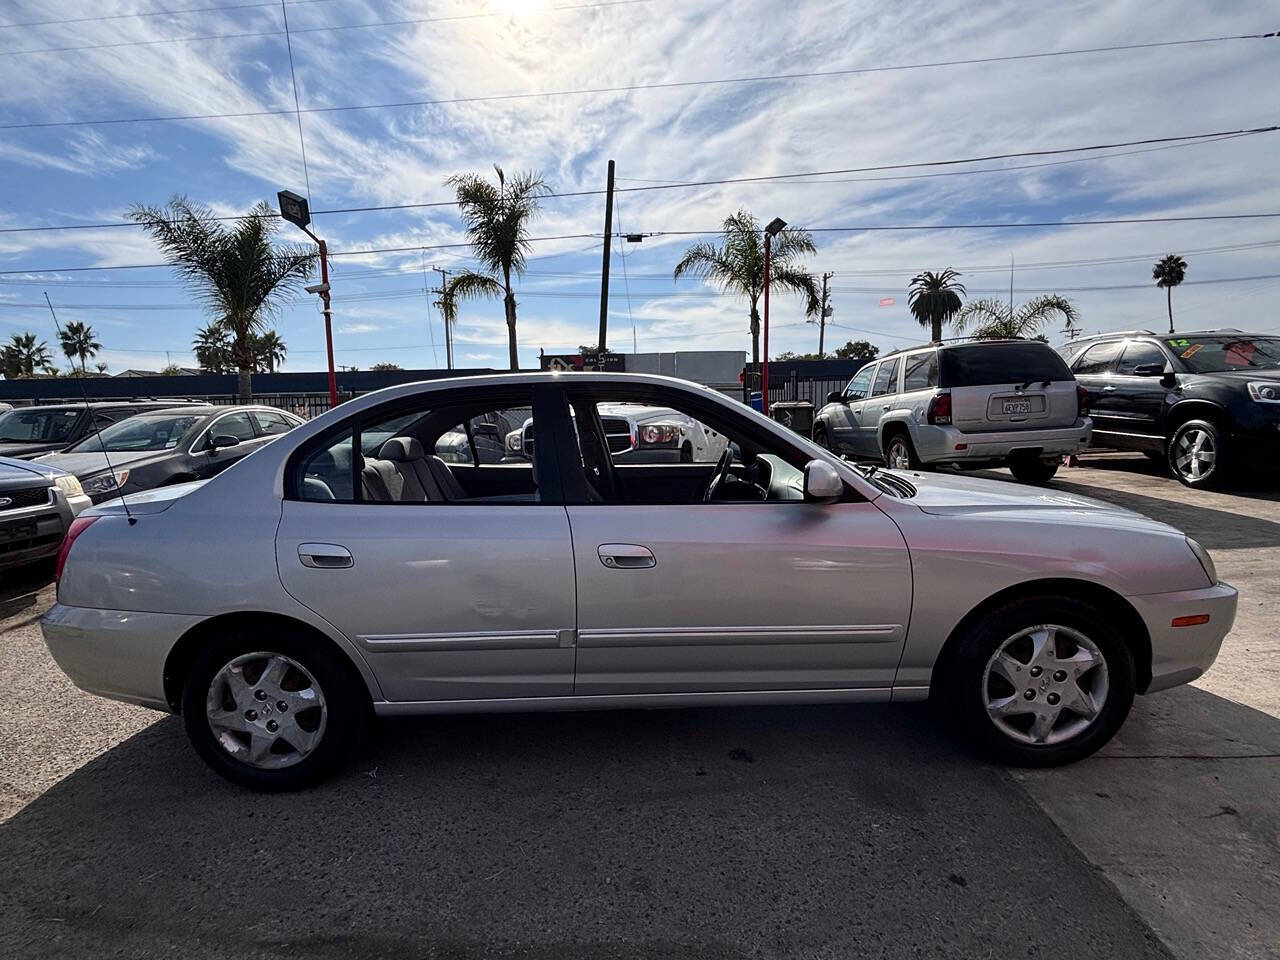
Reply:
x=516 y=73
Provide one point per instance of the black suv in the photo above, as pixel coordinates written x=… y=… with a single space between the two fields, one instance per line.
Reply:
x=27 y=432
x=1200 y=402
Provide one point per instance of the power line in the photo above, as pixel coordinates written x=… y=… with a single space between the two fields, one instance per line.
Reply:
x=154 y=13
x=1182 y=139
x=631 y=87
x=328 y=28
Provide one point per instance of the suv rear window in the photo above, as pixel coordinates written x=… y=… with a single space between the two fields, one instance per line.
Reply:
x=980 y=364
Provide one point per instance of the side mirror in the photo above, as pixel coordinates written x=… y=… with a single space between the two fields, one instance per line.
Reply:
x=821 y=482
x=222 y=440
x=1149 y=370
x=1168 y=379
x=836 y=396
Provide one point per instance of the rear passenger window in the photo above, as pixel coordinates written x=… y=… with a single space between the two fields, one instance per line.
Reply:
x=886 y=378
x=1098 y=359
x=1139 y=353
x=920 y=372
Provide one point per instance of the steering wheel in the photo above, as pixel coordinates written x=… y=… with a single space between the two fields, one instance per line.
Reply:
x=720 y=473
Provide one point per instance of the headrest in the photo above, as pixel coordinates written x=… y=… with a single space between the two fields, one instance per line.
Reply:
x=401 y=449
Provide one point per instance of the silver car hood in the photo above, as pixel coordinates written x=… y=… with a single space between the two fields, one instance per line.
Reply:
x=954 y=494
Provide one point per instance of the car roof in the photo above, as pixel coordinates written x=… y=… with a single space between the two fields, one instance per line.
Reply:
x=954 y=344
x=151 y=403
x=1125 y=334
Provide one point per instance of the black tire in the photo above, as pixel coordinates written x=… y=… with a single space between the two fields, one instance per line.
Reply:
x=1034 y=470
x=820 y=436
x=346 y=702
x=898 y=447
x=964 y=684
x=1195 y=472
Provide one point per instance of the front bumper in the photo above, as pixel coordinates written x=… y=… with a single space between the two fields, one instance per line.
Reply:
x=35 y=533
x=118 y=654
x=942 y=444
x=1181 y=654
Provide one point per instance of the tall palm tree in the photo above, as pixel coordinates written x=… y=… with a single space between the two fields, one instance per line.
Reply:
x=1168 y=272
x=994 y=320
x=270 y=351
x=23 y=356
x=235 y=269
x=934 y=298
x=78 y=342
x=497 y=219
x=736 y=265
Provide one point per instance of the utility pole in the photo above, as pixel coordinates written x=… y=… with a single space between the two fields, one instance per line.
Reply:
x=448 y=332
x=1011 y=286
x=604 y=267
x=822 y=317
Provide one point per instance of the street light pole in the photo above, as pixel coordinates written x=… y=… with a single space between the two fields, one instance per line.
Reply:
x=295 y=209
x=772 y=230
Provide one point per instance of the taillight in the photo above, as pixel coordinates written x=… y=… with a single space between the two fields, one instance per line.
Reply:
x=78 y=526
x=1082 y=401
x=940 y=409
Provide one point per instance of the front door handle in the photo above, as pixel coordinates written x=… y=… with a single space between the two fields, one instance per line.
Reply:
x=324 y=556
x=626 y=556
x=1108 y=389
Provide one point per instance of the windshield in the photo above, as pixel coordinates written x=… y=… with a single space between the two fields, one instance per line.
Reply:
x=152 y=432
x=1219 y=354
x=36 y=425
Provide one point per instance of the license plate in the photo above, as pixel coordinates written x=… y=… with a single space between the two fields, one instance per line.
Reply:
x=17 y=531
x=1015 y=406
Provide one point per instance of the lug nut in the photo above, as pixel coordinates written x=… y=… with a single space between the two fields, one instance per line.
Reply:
x=251 y=715
x=1059 y=675
x=259 y=694
x=281 y=706
x=1053 y=699
x=272 y=726
x=1029 y=695
x=1036 y=671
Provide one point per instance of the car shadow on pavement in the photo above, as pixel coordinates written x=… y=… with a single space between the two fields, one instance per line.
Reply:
x=20 y=588
x=1256 y=486
x=831 y=831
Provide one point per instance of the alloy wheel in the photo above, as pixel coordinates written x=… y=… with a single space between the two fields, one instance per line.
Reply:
x=1194 y=453
x=899 y=457
x=1045 y=685
x=266 y=710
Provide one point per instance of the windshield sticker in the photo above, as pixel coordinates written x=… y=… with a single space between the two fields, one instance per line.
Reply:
x=1181 y=342
x=1191 y=351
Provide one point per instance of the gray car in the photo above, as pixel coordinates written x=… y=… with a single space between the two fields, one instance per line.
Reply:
x=37 y=504
x=977 y=404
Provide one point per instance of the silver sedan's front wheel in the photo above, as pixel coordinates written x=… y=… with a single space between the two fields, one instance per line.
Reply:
x=1040 y=681
x=266 y=710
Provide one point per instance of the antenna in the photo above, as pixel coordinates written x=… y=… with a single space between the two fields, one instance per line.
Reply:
x=84 y=392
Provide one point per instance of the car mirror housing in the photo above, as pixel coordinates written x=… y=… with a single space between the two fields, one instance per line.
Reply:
x=223 y=440
x=821 y=482
x=1168 y=379
x=835 y=396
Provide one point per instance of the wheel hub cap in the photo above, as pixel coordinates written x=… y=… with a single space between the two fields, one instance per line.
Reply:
x=266 y=710
x=1045 y=685
x=1194 y=454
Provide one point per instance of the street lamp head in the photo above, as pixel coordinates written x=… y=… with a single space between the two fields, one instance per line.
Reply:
x=775 y=226
x=294 y=208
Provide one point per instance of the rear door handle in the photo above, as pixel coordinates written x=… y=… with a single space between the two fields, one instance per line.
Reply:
x=1108 y=389
x=626 y=556
x=324 y=556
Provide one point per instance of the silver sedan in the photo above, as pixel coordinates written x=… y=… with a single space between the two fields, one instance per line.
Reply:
x=345 y=571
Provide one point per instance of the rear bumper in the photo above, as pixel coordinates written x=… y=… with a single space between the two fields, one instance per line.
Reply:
x=1181 y=654
x=118 y=654
x=936 y=444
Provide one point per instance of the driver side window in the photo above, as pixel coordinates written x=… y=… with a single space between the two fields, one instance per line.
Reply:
x=860 y=385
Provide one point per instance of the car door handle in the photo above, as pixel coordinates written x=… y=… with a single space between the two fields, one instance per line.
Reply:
x=1108 y=389
x=626 y=556
x=324 y=556
x=885 y=407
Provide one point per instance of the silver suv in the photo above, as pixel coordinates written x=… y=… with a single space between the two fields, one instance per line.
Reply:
x=976 y=404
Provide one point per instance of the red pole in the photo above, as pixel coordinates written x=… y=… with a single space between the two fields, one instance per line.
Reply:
x=764 y=368
x=328 y=322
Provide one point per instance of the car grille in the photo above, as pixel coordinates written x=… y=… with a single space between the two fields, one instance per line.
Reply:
x=617 y=433
x=25 y=497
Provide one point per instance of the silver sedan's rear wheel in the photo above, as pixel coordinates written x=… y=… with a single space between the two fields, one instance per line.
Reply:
x=1040 y=681
x=271 y=709
x=266 y=710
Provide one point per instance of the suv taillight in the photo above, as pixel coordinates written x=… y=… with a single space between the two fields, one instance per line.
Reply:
x=78 y=526
x=940 y=409
x=1082 y=401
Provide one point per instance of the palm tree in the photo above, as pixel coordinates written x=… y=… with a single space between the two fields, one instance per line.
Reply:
x=1168 y=272
x=497 y=220
x=270 y=351
x=995 y=320
x=23 y=356
x=934 y=298
x=240 y=276
x=102 y=368
x=78 y=342
x=736 y=265
x=465 y=286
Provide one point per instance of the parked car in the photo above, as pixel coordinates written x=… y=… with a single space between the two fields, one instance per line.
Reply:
x=636 y=433
x=977 y=404
x=1201 y=403
x=37 y=505
x=280 y=604
x=27 y=432
x=188 y=443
